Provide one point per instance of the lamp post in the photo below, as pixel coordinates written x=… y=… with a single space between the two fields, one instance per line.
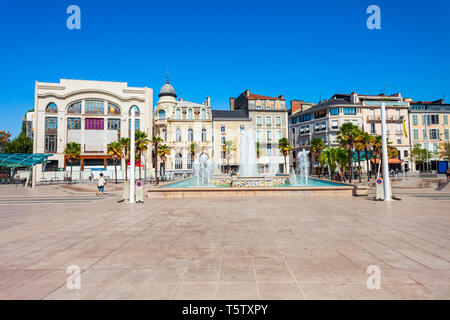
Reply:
x=384 y=155
x=132 y=153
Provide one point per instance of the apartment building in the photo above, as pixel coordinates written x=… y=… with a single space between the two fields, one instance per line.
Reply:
x=430 y=129
x=91 y=113
x=269 y=120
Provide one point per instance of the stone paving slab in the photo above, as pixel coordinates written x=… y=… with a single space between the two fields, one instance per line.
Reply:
x=226 y=248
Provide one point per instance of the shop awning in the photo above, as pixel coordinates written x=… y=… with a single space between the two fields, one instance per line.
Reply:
x=16 y=160
x=390 y=161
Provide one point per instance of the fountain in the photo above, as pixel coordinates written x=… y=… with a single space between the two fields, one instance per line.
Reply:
x=247 y=156
x=303 y=169
x=204 y=168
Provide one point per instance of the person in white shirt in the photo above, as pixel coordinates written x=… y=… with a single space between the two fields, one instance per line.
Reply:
x=100 y=185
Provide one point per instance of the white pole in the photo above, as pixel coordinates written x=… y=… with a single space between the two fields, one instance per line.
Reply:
x=384 y=157
x=132 y=153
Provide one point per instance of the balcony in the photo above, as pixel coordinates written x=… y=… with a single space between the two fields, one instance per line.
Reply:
x=389 y=119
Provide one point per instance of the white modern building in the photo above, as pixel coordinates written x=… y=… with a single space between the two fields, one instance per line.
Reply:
x=91 y=113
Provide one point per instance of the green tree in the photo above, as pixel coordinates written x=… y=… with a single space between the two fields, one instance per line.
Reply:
x=285 y=148
x=364 y=143
x=125 y=145
x=342 y=160
x=444 y=152
x=142 y=142
x=115 y=150
x=193 y=149
x=228 y=148
x=156 y=141
x=4 y=138
x=258 y=150
x=316 y=147
x=72 y=153
x=20 y=144
x=163 y=152
x=347 y=139
x=420 y=155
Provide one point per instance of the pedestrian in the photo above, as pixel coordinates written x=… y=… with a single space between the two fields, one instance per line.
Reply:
x=448 y=173
x=100 y=185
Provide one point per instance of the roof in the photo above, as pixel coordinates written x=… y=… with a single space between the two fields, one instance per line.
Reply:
x=252 y=96
x=15 y=160
x=230 y=114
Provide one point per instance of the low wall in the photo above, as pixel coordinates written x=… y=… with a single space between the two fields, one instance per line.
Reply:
x=304 y=192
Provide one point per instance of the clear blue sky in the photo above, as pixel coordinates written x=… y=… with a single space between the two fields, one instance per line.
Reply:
x=302 y=49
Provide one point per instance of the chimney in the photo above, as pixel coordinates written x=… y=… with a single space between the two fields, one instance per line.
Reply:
x=208 y=101
x=247 y=93
x=232 y=103
x=280 y=96
x=354 y=98
x=296 y=105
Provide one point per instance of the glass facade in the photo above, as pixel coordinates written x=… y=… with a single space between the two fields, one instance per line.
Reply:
x=74 y=108
x=349 y=111
x=94 y=107
x=94 y=124
x=51 y=123
x=113 y=124
x=74 y=123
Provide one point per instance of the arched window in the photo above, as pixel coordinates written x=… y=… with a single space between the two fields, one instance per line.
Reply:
x=203 y=114
x=189 y=162
x=204 y=137
x=161 y=114
x=94 y=107
x=138 y=112
x=178 y=135
x=74 y=108
x=190 y=114
x=113 y=109
x=178 y=114
x=178 y=161
x=190 y=135
x=51 y=108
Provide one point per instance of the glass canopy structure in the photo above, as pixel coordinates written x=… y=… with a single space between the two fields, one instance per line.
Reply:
x=16 y=160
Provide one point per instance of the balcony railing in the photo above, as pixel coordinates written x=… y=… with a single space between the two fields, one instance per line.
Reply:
x=388 y=119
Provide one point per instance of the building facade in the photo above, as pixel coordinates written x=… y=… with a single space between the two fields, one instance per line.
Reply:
x=227 y=126
x=430 y=128
x=324 y=120
x=269 y=120
x=180 y=124
x=91 y=113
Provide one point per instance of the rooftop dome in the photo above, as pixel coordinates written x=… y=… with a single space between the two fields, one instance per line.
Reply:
x=167 y=90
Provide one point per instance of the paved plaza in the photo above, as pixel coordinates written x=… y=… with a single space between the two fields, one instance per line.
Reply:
x=236 y=248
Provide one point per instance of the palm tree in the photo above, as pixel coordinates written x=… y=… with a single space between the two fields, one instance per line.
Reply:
x=115 y=150
x=361 y=142
x=228 y=148
x=364 y=143
x=72 y=153
x=342 y=157
x=163 y=152
x=258 y=150
x=156 y=141
x=329 y=157
x=377 y=151
x=193 y=149
x=285 y=147
x=142 y=141
x=125 y=145
x=316 y=147
x=347 y=139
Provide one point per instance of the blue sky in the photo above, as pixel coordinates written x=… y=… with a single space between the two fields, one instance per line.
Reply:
x=302 y=49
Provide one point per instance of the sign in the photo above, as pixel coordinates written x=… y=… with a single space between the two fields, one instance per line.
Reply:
x=380 y=181
x=139 y=191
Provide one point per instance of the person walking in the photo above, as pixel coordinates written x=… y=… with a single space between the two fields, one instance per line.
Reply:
x=448 y=173
x=100 y=185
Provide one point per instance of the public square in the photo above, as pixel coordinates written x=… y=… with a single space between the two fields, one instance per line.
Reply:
x=224 y=248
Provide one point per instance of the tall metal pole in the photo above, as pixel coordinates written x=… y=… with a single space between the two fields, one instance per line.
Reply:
x=384 y=155
x=132 y=153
